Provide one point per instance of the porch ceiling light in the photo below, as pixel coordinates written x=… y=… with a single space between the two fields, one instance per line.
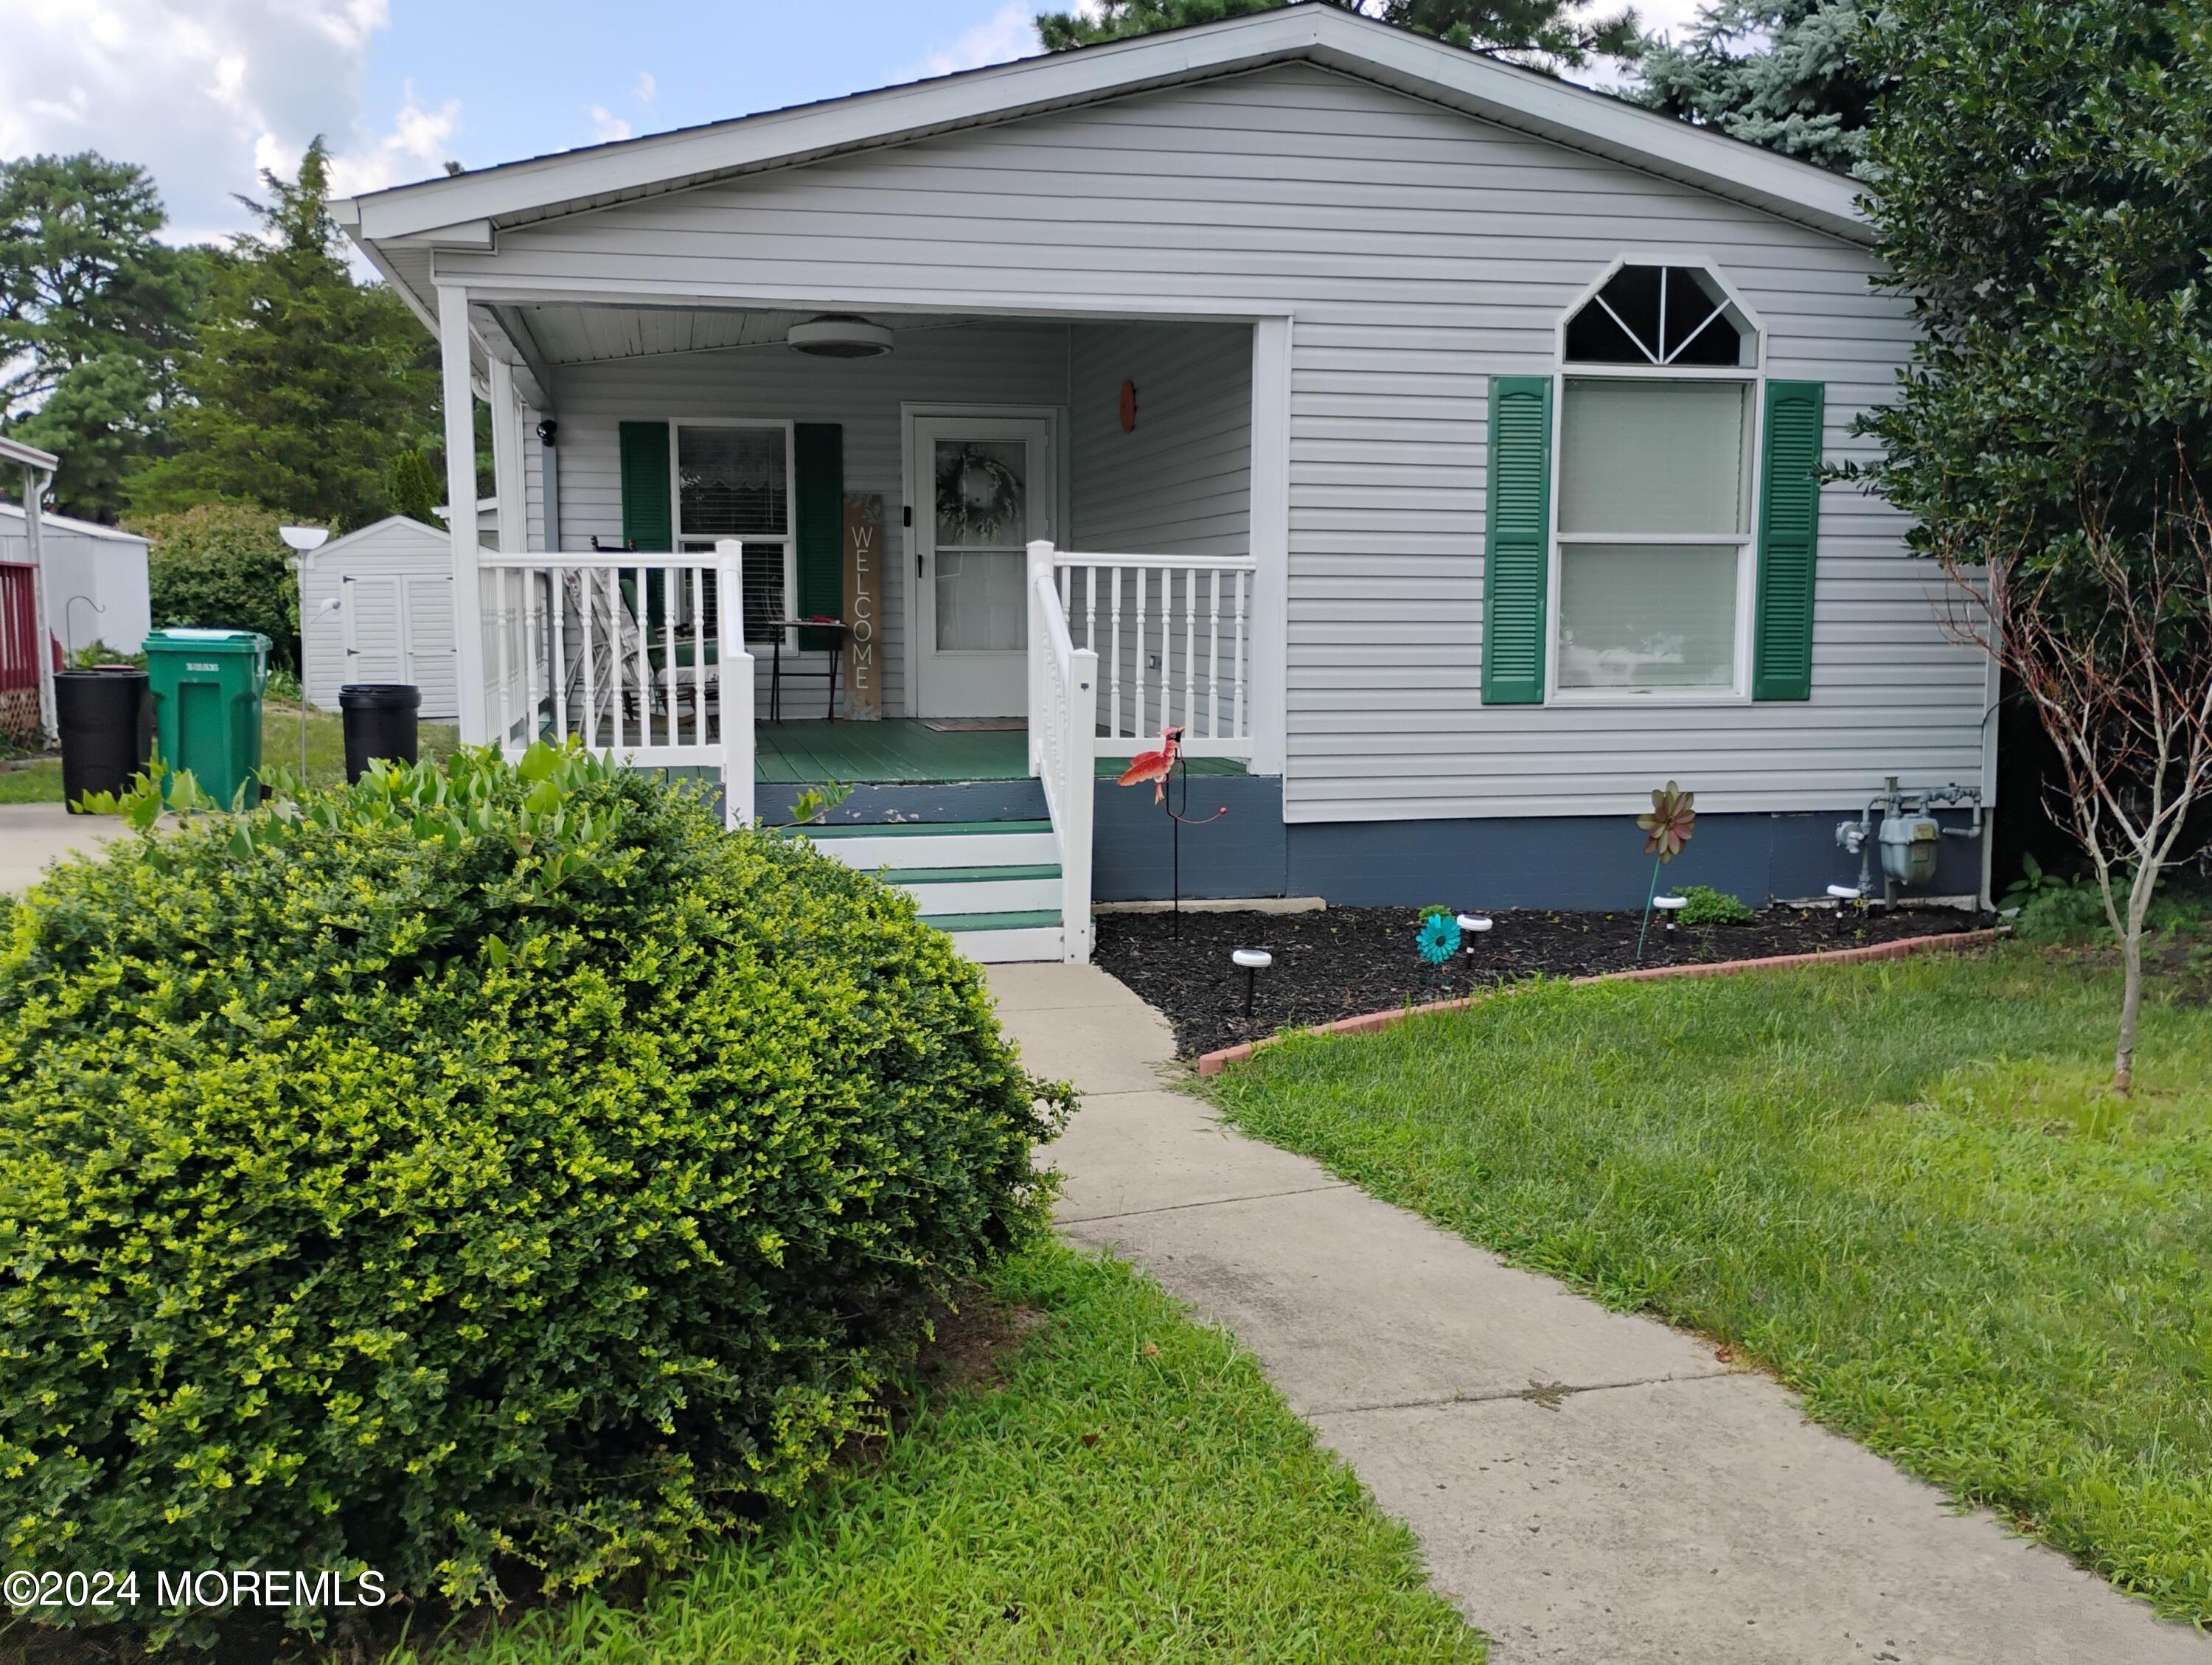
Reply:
x=839 y=335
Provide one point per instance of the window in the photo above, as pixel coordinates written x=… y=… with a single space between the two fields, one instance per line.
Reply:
x=1653 y=546
x=734 y=481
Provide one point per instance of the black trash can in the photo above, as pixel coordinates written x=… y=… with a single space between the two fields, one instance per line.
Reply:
x=379 y=722
x=105 y=716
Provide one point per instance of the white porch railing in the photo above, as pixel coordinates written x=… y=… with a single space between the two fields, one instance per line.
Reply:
x=1174 y=638
x=1063 y=706
x=642 y=655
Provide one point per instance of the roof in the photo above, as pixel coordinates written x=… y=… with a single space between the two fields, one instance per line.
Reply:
x=469 y=208
x=375 y=528
x=49 y=521
x=14 y=451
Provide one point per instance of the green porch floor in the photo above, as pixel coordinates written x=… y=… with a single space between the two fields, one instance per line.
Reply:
x=905 y=749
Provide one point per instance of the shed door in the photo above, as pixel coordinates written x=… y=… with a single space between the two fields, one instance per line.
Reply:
x=376 y=643
x=427 y=613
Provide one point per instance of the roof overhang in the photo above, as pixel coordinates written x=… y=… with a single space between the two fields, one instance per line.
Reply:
x=467 y=210
x=29 y=456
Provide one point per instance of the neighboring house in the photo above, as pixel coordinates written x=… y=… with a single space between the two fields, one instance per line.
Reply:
x=394 y=583
x=95 y=579
x=1437 y=438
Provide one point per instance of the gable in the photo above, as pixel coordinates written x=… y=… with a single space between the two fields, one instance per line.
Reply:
x=1244 y=193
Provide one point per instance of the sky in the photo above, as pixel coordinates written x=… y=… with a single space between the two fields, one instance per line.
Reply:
x=206 y=93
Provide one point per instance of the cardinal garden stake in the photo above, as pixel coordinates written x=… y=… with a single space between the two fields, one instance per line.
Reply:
x=1161 y=767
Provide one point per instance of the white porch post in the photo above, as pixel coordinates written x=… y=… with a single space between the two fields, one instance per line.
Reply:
x=507 y=458
x=1040 y=560
x=1271 y=542
x=35 y=487
x=461 y=498
x=734 y=678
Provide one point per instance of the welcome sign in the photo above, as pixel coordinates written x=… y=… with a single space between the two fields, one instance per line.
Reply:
x=863 y=578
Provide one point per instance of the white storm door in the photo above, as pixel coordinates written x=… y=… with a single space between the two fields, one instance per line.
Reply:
x=981 y=488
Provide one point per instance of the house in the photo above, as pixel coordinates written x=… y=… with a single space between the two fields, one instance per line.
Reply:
x=1434 y=440
x=393 y=584
x=96 y=578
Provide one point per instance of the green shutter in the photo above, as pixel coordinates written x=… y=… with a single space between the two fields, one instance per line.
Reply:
x=1517 y=528
x=818 y=494
x=1789 y=534
x=648 y=525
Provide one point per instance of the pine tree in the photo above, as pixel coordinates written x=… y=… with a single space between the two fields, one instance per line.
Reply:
x=1785 y=73
x=95 y=318
x=1539 y=34
x=305 y=383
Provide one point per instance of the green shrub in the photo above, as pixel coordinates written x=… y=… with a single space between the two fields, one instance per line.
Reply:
x=472 y=1174
x=223 y=566
x=1707 y=906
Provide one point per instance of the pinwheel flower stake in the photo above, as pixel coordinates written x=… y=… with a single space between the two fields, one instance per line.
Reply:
x=1438 y=940
x=1666 y=830
x=1161 y=767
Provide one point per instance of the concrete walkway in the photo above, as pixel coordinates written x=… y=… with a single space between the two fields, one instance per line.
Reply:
x=1589 y=1486
x=33 y=835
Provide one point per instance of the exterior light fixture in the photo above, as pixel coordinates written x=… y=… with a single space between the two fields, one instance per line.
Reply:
x=839 y=335
x=1670 y=906
x=304 y=540
x=1252 y=962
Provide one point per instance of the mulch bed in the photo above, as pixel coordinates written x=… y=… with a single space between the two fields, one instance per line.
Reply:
x=1343 y=962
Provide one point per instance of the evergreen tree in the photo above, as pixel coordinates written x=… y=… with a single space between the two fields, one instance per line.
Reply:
x=415 y=487
x=2043 y=199
x=305 y=383
x=95 y=318
x=1778 y=73
x=1539 y=34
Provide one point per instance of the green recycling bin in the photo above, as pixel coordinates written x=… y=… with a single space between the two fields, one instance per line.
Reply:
x=207 y=706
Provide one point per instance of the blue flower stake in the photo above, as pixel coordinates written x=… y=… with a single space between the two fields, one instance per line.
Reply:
x=1438 y=942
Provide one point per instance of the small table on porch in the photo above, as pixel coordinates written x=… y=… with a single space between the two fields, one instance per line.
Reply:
x=837 y=630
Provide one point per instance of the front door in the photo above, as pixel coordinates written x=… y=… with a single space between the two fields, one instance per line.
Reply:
x=981 y=488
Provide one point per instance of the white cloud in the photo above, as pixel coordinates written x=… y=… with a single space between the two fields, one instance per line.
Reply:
x=1011 y=33
x=205 y=93
x=647 y=88
x=606 y=126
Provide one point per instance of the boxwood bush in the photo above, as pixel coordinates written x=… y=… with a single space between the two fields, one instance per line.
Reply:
x=489 y=1176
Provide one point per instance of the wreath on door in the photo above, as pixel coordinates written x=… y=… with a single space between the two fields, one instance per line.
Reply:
x=978 y=496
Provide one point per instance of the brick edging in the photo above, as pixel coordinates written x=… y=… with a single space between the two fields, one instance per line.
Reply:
x=1212 y=1063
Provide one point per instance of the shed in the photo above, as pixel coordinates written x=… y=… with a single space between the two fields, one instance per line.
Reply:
x=95 y=578
x=394 y=584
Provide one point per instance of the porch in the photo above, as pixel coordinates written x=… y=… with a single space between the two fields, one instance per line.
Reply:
x=691 y=507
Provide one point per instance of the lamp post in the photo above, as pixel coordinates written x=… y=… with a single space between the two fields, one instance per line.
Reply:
x=303 y=542
x=1253 y=962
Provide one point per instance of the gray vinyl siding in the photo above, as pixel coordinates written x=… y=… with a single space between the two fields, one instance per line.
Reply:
x=1418 y=252
x=967 y=364
x=1180 y=482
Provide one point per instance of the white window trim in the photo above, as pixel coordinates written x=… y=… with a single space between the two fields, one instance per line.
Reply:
x=789 y=537
x=1752 y=376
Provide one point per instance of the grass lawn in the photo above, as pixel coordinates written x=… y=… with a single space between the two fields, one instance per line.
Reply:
x=1898 y=1187
x=1129 y=1488
x=41 y=783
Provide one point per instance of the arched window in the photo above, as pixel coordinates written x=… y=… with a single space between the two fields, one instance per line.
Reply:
x=1662 y=315
x=1652 y=553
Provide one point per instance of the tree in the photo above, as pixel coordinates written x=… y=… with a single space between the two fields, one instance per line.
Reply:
x=223 y=565
x=2043 y=200
x=2116 y=658
x=1540 y=33
x=305 y=383
x=414 y=487
x=95 y=317
x=1778 y=73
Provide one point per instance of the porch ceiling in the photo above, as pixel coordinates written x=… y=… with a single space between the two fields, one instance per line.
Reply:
x=573 y=334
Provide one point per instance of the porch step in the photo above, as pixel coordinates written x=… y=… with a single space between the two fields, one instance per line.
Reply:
x=1001 y=937
x=908 y=845
x=983 y=890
